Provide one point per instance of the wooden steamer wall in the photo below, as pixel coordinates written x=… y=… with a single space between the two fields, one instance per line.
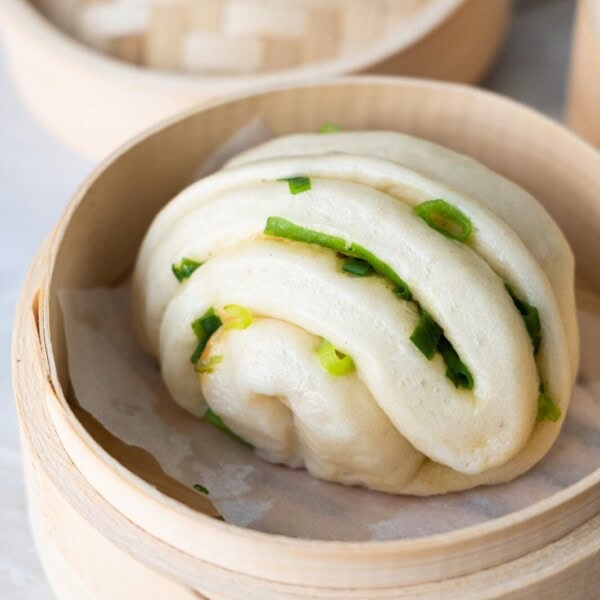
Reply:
x=584 y=89
x=94 y=99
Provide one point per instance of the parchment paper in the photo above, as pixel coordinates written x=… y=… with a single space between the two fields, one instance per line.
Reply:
x=121 y=387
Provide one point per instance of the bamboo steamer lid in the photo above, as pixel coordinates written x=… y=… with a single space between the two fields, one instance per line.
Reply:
x=109 y=523
x=95 y=100
x=235 y=37
x=583 y=111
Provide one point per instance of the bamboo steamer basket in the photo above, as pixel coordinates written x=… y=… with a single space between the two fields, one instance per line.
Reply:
x=93 y=102
x=584 y=90
x=110 y=524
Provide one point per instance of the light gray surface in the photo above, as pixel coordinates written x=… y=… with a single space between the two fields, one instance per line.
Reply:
x=38 y=175
x=534 y=64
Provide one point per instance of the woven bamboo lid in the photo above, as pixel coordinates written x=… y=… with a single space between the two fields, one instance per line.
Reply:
x=239 y=36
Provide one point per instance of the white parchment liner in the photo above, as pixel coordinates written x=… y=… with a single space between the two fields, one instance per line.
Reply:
x=121 y=387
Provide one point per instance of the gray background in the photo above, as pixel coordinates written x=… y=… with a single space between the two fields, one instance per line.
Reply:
x=38 y=175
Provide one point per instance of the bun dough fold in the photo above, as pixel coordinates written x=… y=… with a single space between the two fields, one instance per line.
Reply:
x=397 y=423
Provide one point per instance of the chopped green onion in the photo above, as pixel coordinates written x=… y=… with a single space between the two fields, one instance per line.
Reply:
x=329 y=128
x=241 y=317
x=204 y=327
x=334 y=361
x=457 y=372
x=185 y=268
x=297 y=185
x=278 y=227
x=546 y=409
x=206 y=367
x=207 y=324
x=358 y=267
x=429 y=338
x=214 y=419
x=426 y=335
x=530 y=316
x=445 y=218
x=201 y=489
x=401 y=290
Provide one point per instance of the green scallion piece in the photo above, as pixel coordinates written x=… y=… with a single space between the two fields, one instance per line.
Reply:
x=206 y=367
x=297 y=185
x=329 y=128
x=401 y=288
x=213 y=419
x=241 y=317
x=333 y=361
x=530 y=316
x=546 y=409
x=279 y=227
x=403 y=292
x=358 y=267
x=429 y=338
x=204 y=327
x=445 y=218
x=426 y=335
x=185 y=268
x=456 y=371
x=201 y=489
